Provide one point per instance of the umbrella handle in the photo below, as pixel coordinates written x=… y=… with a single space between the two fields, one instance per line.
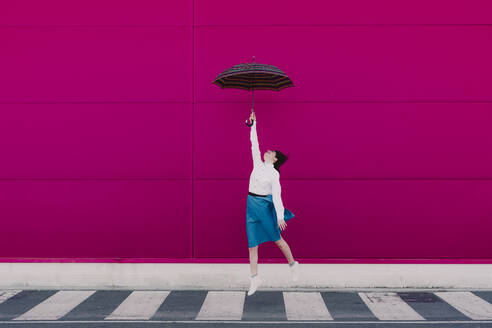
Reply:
x=249 y=124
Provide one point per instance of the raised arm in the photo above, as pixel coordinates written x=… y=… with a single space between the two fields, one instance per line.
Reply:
x=276 y=196
x=255 y=147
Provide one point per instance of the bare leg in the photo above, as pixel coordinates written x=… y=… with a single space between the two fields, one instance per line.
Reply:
x=253 y=259
x=282 y=244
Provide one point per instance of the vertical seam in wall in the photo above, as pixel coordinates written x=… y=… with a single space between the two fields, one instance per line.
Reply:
x=192 y=127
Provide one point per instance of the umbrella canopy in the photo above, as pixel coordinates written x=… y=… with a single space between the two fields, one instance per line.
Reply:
x=251 y=76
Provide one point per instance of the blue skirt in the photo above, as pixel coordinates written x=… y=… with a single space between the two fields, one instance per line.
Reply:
x=261 y=220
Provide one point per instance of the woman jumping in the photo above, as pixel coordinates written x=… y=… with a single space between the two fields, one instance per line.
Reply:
x=265 y=213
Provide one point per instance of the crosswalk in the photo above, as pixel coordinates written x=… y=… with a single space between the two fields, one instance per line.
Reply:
x=172 y=305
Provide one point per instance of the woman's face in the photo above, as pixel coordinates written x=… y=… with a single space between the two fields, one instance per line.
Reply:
x=269 y=156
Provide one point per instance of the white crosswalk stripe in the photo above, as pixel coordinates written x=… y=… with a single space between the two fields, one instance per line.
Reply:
x=56 y=306
x=389 y=306
x=469 y=304
x=305 y=306
x=6 y=294
x=139 y=305
x=222 y=305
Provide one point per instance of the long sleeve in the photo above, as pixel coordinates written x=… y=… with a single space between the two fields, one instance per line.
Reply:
x=255 y=147
x=276 y=196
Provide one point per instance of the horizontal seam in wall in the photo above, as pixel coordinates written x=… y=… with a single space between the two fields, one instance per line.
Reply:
x=225 y=26
x=240 y=102
x=246 y=179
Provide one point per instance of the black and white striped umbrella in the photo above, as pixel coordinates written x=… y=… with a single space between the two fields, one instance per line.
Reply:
x=251 y=76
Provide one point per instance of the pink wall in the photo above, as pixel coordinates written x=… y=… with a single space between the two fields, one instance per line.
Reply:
x=117 y=147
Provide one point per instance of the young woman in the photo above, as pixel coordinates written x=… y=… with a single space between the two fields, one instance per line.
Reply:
x=265 y=213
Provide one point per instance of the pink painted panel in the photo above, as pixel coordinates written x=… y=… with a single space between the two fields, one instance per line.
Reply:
x=101 y=140
x=315 y=12
x=96 y=64
x=95 y=218
x=348 y=140
x=353 y=219
x=96 y=12
x=351 y=63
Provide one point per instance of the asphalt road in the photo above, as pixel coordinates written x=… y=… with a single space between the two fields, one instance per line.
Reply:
x=232 y=308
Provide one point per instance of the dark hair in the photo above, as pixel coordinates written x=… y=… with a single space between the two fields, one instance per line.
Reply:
x=281 y=159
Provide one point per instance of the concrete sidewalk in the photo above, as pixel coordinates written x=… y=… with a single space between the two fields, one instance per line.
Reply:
x=213 y=276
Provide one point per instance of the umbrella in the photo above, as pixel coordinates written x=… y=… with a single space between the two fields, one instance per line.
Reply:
x=251 y=76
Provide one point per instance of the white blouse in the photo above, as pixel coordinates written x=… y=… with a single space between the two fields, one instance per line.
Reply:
x=264 y=179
